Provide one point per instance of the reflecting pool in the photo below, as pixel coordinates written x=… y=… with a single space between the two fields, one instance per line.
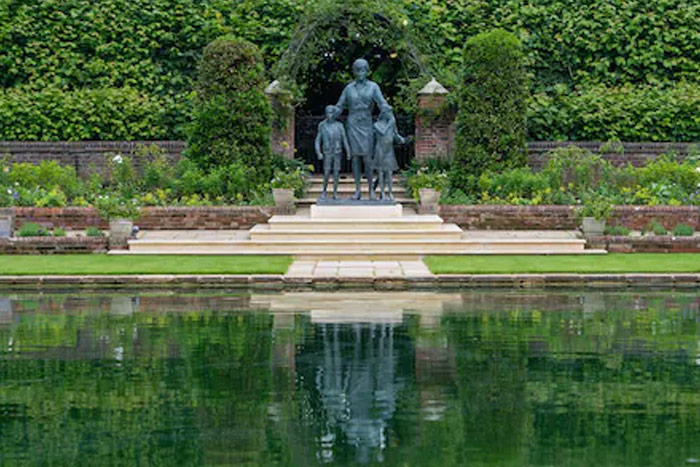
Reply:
x=404 y=378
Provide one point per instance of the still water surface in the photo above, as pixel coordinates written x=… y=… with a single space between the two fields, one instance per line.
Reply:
x=475 y=378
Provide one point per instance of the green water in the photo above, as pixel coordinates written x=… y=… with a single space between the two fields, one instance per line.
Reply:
x=487 y=378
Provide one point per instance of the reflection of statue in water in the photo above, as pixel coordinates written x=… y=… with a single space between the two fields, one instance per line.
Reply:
x=359 y=97
x=330 y=142
x=386 y=134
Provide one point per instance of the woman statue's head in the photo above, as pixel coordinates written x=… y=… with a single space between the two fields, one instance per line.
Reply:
x=360 y=68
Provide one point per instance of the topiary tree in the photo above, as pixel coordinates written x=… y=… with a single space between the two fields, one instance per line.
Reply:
x=492 y=102
x=232 y=114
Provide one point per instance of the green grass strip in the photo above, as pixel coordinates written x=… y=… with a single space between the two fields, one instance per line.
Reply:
x=99 y=264
x=610 y=263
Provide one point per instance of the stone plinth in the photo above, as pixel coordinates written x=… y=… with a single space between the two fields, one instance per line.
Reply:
x=356 y=212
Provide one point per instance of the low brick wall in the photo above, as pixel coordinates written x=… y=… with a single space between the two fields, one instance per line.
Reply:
x=509 y=217
x=85 y=156
x=152 y=218
x=52 y=245
x=647 y=244
x=619 y=154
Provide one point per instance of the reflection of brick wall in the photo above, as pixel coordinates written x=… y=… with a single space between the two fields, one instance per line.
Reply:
x=508 y=217
x=152 y=218
x=84 y=156
x=52 y=245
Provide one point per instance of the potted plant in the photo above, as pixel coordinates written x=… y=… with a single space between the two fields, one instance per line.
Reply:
x=287 y=184
x=120 y=212
x=593 y=214
x=426 y=187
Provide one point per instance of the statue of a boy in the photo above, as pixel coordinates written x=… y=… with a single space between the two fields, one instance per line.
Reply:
x=385 y=135
x=330 y=142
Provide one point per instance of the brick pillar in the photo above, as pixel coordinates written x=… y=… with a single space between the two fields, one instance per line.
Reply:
x=435 y=123
x=282 y=137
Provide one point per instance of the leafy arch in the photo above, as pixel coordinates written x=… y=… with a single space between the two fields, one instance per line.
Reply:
x=331 y=35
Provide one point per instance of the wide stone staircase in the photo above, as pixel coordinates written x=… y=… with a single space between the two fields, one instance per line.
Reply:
x=357 y=232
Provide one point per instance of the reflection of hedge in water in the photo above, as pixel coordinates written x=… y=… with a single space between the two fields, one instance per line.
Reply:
x=530 y=378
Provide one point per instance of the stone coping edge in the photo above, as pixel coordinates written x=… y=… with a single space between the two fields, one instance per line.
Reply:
x=279 y=282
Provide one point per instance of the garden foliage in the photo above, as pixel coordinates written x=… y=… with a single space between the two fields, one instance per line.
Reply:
x=492 y=102
x=147 y=51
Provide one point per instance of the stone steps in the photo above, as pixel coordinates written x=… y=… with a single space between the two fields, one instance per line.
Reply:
x=443 y=232
x=359 y=231
x=351 y=248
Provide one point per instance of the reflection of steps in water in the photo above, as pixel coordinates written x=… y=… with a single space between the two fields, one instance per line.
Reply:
x=359 y=307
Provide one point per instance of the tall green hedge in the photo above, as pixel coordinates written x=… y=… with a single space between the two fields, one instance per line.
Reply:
x=232 y=113
x=492 y=103
x=625 y=113
x=153 y=47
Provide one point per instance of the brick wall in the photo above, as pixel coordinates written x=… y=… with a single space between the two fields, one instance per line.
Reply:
x=84 y=156
x=619 y=154
x=52 y=245
x=152 y=218
x=646 y=244
x=508 y=217
x=434 y=137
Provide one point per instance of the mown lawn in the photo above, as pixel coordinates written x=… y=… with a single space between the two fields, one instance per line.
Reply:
x=133 y=264
x=610 y=263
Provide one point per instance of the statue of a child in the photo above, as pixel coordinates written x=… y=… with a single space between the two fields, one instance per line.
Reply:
x=385 y=135
x=330 y=142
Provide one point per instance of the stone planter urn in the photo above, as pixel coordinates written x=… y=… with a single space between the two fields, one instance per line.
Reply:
x=120 y=228
x=593 y=227
x=284 y=200
x=429 y=198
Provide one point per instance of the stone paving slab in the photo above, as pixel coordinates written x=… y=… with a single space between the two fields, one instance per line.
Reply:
x=358 y=269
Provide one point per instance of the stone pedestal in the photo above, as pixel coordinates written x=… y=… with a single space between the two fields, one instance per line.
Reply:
x=435 y=123
x=282 y=137
x=356 y=212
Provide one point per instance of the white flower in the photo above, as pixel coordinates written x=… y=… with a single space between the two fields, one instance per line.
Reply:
x=697 y=169
x=9 y=191
x=118 y=159
x=405 y=22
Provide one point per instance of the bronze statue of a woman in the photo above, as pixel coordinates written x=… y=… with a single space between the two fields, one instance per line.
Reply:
x=359 y=97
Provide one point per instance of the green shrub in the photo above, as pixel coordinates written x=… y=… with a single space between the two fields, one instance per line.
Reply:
x=617 y=230
x=114 y=207
x=656 y=227
x=232 y=113
x=647 y=112
x=92 y=231
x=426 y=177
x=295 y=179
x=577 y=170
x=32 y=229
x=54 y=114
x=519 y=183
x=58 y=232
x=683 y=230
x=492 y=102
x=596 y=206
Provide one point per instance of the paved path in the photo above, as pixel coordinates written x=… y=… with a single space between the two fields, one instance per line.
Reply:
x=364 y=269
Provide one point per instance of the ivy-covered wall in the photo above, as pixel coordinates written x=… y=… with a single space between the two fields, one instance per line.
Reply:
x=123 y=69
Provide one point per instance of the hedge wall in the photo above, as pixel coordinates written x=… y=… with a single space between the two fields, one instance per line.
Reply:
x=585 y=47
